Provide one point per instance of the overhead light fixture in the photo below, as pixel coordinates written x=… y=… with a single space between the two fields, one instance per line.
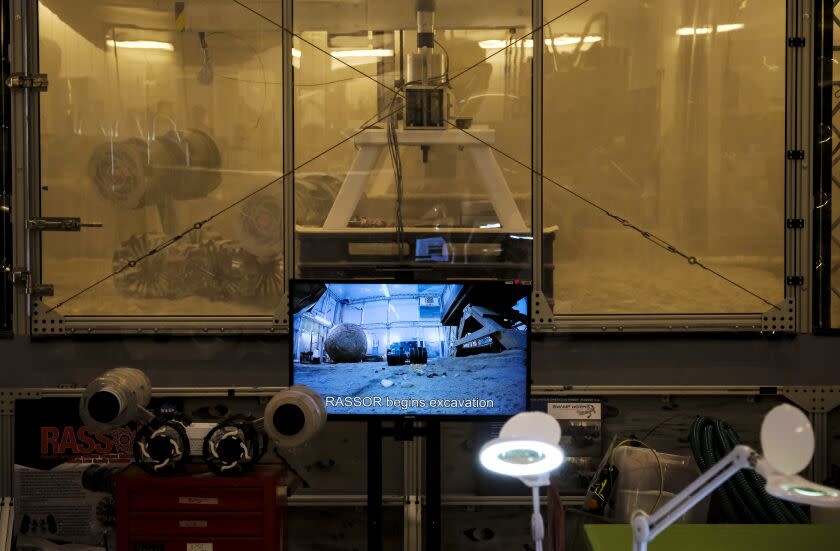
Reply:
x=729 y=27
x=490 y=226
x=296 y=53
x=692 y=31
x=342 y=54
x=787 y=440
x=571 y=40
x=699 y=31
x=565 y=40
x=141 y=45
x=527 y=448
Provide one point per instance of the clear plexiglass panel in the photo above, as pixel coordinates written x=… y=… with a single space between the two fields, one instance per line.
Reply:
x=411 y=191
x=160 y=115
x=669 y=114
x=834 y=282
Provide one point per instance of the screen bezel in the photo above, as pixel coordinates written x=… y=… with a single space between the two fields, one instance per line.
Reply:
x=414 y=416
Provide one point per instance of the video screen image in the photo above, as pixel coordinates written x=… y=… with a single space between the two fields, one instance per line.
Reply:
x=413 y=349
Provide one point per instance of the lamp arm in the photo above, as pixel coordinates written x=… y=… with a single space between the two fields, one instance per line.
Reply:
x=646 y=527
x=537 y=524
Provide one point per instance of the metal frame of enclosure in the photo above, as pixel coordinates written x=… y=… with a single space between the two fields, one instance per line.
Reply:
x=32 y=318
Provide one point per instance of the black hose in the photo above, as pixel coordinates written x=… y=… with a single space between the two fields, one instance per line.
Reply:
x=743 y=498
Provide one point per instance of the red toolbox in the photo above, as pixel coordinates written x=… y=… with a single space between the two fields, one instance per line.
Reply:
x=201 y=512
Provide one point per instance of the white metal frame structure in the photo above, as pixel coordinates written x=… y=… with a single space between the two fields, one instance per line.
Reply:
x=371 y=146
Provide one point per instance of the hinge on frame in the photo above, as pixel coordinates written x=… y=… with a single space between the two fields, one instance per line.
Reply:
x=795 y=223
x=60 y=223
x=23 y=278
x=795 y=281
x=796 y=42
x=38 y=81
x=795 y=154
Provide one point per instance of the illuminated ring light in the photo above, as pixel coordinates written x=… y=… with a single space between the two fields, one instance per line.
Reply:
x=516 y=457
x=800 y=490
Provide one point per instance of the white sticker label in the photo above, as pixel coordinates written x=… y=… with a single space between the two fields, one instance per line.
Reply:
x=192 y=524
x=198 y=500
x=199 y=547
x=575 y=411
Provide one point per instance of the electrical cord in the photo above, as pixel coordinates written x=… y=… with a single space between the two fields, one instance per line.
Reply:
x=658 y=463
x=445 y=64
x=743 y=498
x=396 y=161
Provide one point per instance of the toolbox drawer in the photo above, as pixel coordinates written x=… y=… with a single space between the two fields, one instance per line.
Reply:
x=196 y=499
x=196 y=524
x=151 y=543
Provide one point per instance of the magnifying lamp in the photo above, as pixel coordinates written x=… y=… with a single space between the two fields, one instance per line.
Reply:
x=527 y=448
x=787 y=440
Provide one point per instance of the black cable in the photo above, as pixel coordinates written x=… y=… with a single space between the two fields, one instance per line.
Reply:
x=445 y=63
x=396 y=161
x=742 y=498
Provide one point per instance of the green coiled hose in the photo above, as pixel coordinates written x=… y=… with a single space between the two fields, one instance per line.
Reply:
x=742 y=498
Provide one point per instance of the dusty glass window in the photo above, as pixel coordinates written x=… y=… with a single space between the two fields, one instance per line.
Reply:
x=161 y=116
x=429 y=195
x=667 y=117
x=5 y=201
x=832 y=189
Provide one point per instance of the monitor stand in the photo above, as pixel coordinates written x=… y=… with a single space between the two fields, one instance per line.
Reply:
x=404 y=430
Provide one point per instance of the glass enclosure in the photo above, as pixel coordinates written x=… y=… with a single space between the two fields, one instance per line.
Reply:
x=670 y=116
x=830 y=135
x=440 y=199
x=663 y=133
x=159 y=116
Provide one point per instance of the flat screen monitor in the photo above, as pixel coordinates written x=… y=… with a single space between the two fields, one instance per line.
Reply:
x=413 y=349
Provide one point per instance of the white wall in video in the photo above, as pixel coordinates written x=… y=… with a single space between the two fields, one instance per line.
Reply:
x=413 y=349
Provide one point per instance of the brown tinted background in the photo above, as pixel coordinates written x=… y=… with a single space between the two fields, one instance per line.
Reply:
x=135 y=136
x=672 y=117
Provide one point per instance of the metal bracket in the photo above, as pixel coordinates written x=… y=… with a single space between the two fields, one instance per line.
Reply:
x=46 y=322
x=60 y=223
x=796 y=42
x=541 y=312
x=795 y=223
x=23 y=278
x=281 y=315
x=39 y=81
x=813 y=399
x=795 y=281
x=795 y=154
x=781 y=319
